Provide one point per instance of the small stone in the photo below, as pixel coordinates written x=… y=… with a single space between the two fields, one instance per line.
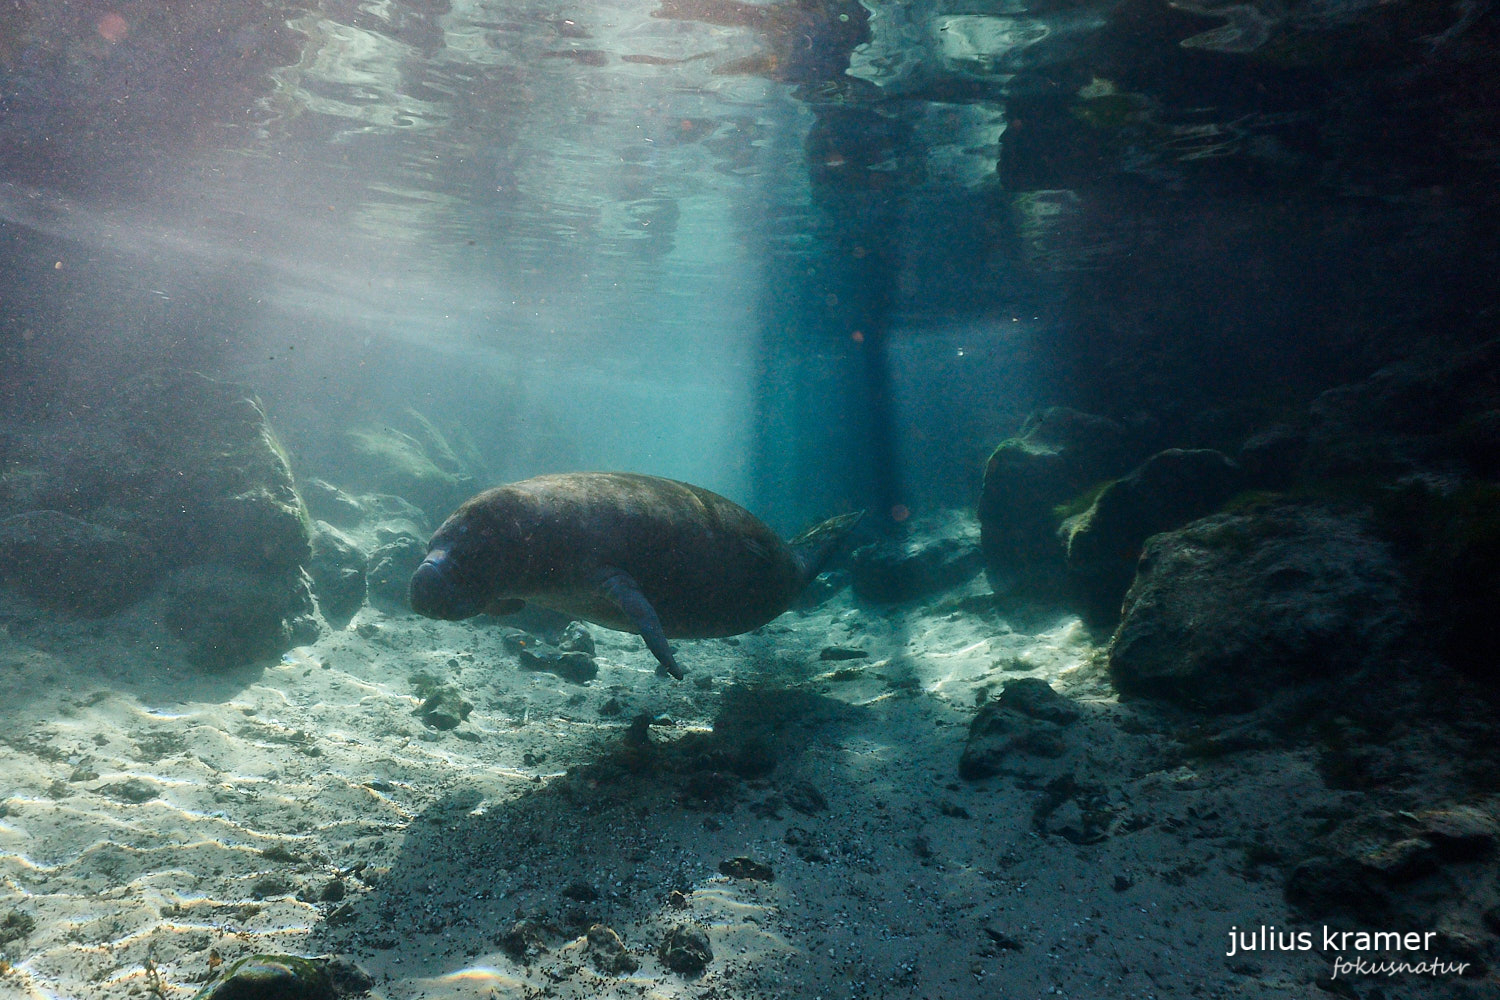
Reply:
x=576 y=638
x=842 y=653
x=1123 y=882
x=685 y=950
x=333 y=891
x=805 y=798
x=1002 y=940
x=133 y=790
x=272 y=977
x=522 y=940
x=581 y=891
x=444 y=708
x=607 y=952
x=677 y=900
x=15 y=926
x=747 y=868
x=270 y=885
x=575 y=666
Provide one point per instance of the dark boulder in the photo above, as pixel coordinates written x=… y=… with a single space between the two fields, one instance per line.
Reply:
x=1435 y=413
x=1012 y=732
x=392 y=562
x=337 y=569
x=184 y=468
x=1029 y=480
x=228 y=616
x=1167 y=491
x=936 y=554
x=1229 y=608
x=68 y=564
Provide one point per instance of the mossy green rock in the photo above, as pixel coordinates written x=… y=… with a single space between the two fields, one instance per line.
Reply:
x=1166 y=491
x=1229 y=609
x=1058 y=453
x=171 y=470
x=337 y=569
x=414 y=461
x=685 y=949
x=272 y=977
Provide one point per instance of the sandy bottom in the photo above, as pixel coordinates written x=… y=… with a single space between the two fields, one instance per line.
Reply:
x=154 y=821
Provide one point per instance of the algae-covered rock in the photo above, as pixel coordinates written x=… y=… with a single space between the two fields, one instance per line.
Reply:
x=1228 y=609
x=327 y=502
x=1166 y=491
x=172 y=470
x=685 y=949
x=607 y=952
x=337 y=569
x=1058 y=453
x=1018 y=730
x=444 y=707
x=207 y=472
x=391 y=564
x=415 y=461
x=934 y=555
x=73 y=565
x=228 y=616
x=272 y=977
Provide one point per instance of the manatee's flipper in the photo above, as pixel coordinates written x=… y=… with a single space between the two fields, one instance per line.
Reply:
x=504 y=606
x=813 y=547
x=625 y=592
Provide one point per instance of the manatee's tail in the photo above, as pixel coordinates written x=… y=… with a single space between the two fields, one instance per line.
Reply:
x=813 y=547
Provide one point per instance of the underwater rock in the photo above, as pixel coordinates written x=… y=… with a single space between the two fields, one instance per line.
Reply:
x=337 y=569
x=273 y=977
x=576 y=638
x=1057 y=455
x=229 y=617
x=685 y=949
x=327 y=502
x=414 y=461
x=1080 y=814
x=571 y=665
x=804 y=797
x=389 y=569
x=747 y=868
x=1227 y=609
x=1375 y=863
x=1272 y=457
x=1026 y=721
x=1435 y=413
x=1168 y=490
x=444 y=707
x=71 y=565
x=842 y=653
x=1447 y=535
x=936 y=554
x=523 y=940
x=186 y=464
x=822 y=589
x=607 y=951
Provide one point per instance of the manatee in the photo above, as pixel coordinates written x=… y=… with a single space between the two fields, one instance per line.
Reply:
x=641 y=554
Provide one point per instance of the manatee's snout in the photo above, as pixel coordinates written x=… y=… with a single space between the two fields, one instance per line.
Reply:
x=435 y=594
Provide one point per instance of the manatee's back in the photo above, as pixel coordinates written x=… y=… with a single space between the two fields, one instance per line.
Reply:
x=708 y=566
